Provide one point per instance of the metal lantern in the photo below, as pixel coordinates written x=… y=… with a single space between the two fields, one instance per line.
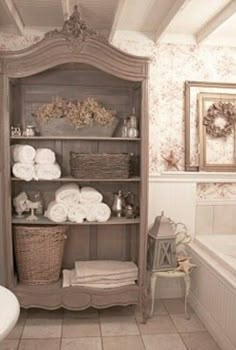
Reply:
x=162 y=245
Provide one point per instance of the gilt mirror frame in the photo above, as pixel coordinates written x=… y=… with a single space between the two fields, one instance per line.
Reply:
x=200 y=86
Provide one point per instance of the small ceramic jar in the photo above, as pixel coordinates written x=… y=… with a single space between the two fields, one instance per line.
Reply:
x=29 y=130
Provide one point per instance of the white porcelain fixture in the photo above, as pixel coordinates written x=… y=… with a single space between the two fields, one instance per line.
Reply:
x=9 y=311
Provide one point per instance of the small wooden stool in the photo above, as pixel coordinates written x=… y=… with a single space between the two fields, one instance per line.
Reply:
x=169 y=274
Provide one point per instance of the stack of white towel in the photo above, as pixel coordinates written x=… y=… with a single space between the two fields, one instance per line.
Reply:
x=76 y=205
x=101 y=274
x=29 y=163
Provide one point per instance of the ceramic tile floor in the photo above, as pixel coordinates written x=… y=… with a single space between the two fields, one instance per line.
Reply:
x=117 y=328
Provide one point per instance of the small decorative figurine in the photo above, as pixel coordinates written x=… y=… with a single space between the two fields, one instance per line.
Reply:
x=20 y=204
x=16 y=131
x=32 y=206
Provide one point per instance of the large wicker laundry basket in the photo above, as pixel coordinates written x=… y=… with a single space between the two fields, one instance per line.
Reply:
x=39 y=253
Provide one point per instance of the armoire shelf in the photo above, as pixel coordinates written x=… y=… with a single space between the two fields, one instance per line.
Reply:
x=76 y=69
x=73 y=179
x=45 y=221
x=81 y=138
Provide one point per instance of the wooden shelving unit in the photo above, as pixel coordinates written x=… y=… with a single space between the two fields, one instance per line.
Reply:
x=73 y=179
x=94 y=68
x=45 y=221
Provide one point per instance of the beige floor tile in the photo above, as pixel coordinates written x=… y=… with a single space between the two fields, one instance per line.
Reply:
x=122 y=325
x=176 y=306
x=159 y=309
x=163 y=342
x=192 y=325
x=80 y=327
x=118 y=311
x=82 y=344
x=18 y=329
x=88 y=313
x=9 y=344
x=40 y=344
x=42 y=328
x=40 y=313
x=199 y=341
x=123 y=343
x=157 y=325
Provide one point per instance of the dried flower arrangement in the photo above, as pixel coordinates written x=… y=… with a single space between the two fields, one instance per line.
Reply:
x=226 y=113
x=81 y=114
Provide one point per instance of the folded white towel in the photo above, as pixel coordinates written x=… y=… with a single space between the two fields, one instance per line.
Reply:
x=99 y=212
x=89 y=195
x=24 y=171
x=68 y=280
x=77 y=213
x=68 y=194
x=23 y=154
x=102 y=268
x=56 y=212
x=47 y=171
x=45 y=156
x=109 y=278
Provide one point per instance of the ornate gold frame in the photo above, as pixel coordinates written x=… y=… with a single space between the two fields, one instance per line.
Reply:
x=210 y=86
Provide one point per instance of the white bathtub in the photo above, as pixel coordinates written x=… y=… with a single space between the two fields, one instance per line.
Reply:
x=213 y=290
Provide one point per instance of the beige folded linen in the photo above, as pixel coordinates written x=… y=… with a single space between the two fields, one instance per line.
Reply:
x=116 y=277
x=24 y=171
x=23 y=154
x=69 y=276
x=56 y=212
x=47 y=171
x=95 y=268
x=45 y=156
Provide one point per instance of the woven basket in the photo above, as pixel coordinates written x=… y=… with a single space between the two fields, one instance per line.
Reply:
x=100 y=165
x=39 y=252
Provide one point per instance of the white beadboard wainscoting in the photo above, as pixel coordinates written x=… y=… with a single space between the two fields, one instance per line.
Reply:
x=213 y=296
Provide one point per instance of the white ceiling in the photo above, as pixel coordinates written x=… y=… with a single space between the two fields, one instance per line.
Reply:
x=182 y=21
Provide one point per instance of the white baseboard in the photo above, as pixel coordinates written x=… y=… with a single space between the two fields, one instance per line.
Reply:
x=214 y=329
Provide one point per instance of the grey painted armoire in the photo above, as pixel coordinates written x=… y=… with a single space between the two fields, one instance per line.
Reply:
x=75 y=65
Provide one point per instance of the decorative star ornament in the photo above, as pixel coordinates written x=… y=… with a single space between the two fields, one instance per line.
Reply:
x=171 y=161
x=184 y=264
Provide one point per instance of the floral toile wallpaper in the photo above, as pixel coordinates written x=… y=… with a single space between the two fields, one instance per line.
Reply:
x=170 y=66
x=215 y=191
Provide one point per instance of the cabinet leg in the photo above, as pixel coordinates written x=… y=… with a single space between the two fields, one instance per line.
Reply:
x=187 y=289
x=153 y=288
x=144 y=306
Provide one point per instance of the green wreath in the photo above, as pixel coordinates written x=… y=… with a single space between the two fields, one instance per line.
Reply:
x=224 y=110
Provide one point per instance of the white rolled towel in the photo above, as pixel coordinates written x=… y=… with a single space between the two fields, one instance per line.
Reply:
x=99 y=212
x=68 y=194
x=77 y=213
x=56 y=212
x=47 y=171
x=24 y=171
x=102 y=268
x=23 y=154
x=89 y=195
x=45 y=156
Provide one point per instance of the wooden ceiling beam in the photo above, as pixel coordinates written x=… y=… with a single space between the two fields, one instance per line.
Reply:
x=163 y=25
x=117 y=16
x=216 y=21
x=13 y=12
